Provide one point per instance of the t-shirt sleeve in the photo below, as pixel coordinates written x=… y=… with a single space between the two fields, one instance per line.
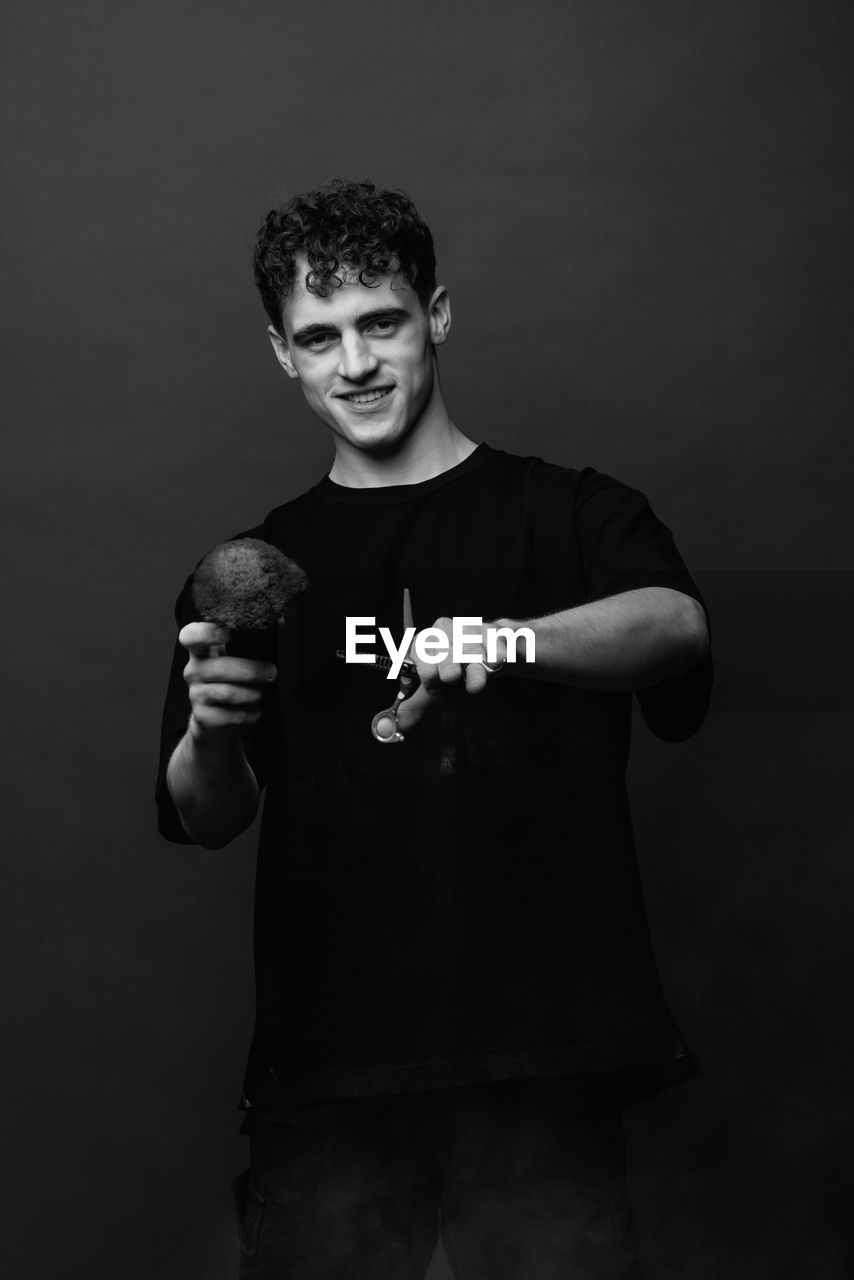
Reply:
x=623 y=547
x=176 y=714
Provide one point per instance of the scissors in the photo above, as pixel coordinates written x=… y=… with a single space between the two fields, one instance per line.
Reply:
x=385 y=726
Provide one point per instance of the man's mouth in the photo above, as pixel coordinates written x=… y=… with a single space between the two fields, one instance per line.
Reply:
x=366 y=397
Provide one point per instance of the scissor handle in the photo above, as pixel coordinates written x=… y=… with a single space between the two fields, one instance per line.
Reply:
x=384 y=725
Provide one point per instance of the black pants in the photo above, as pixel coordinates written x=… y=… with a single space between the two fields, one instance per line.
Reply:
x=524 y=1179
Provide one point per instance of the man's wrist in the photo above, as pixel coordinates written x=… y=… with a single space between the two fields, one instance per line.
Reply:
x=223 y=741
x=510 y=664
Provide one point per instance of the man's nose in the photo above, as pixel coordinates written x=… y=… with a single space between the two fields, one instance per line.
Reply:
x=357 y=359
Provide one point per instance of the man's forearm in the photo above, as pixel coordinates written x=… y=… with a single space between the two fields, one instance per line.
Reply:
x=213 y=787
x=627 y=641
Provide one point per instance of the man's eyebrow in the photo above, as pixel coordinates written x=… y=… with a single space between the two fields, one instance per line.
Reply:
x=367 y=317
x=383 y=313
x=309 y=330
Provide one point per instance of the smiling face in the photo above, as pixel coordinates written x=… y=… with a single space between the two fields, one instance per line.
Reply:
x=365 y=360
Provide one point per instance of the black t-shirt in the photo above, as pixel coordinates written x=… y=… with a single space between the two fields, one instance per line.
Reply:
x=464 y=906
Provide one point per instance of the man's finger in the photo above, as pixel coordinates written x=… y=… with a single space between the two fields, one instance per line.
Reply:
x=477 y=677
x=200 y=637
x=231 y=670
x=228 y=695
x=414 y=708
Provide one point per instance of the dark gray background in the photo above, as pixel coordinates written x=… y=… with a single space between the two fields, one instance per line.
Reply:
x=643 y=214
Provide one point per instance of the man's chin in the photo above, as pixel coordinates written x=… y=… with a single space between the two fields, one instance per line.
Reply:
x=383 y=446
x=378 y=438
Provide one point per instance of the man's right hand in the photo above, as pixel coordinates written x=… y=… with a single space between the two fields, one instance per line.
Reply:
x=226 y=692
x=209 y=777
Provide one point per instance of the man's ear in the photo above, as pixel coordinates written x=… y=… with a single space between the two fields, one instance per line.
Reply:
x=439 y=315
x=283 y=352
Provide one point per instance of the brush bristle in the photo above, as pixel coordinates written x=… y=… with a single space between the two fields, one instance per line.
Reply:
x=246 y=585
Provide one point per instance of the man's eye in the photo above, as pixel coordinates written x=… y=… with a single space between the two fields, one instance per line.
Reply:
x=318 y=341
x=384 y=326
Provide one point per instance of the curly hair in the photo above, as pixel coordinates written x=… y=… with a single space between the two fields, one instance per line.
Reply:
x=342 y=227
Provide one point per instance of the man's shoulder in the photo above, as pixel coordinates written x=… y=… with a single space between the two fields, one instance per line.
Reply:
x=531 y=466
x=581 y=482
x=279 y=525
x=290 y=512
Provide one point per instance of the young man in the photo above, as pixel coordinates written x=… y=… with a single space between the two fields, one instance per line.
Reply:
x=456 y=990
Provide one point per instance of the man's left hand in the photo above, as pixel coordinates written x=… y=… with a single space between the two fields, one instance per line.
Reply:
x=446 y=678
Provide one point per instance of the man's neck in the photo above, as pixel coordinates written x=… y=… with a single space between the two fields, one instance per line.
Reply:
x=421 y=456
